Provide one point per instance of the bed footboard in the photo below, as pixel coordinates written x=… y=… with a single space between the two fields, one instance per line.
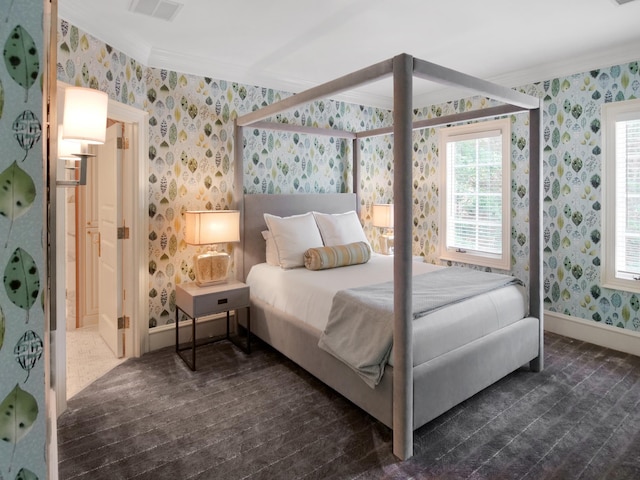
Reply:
x=451 y=378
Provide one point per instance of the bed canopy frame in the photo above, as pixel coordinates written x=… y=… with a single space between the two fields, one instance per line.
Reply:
x=403 y=68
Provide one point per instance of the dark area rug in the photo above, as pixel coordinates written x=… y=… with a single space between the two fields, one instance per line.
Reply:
x=260 y=416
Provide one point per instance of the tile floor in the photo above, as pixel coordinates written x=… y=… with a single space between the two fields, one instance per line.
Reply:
x=88 y=358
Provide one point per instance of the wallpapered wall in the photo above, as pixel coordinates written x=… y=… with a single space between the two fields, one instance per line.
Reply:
x=573 y=195
x=22 y=379
x=191 y=151
x=191 y=148
x=572 y=192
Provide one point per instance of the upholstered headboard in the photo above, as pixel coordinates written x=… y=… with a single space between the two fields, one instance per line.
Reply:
x=252 y=245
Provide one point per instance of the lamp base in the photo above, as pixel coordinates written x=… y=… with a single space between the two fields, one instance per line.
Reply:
x=386 y=244
x=211 y=267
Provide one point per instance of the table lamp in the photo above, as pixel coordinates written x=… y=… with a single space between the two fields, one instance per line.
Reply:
x=211 y=227
x=383 y=218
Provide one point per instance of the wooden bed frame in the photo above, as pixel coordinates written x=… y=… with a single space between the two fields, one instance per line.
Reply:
x=408 y=396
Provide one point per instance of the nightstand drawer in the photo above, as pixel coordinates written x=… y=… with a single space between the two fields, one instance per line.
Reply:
x=198 y=301
x=221 y=302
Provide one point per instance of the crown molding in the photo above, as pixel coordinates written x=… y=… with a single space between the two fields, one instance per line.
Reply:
x=547 y=71
x=605 y=58
x=210 y=67
x=86 y=20
x=616 y=55
x=232 y=72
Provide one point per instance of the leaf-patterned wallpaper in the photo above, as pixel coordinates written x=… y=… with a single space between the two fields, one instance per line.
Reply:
x=191 y=147
x=191 y=151
x=22 y=380
x=572 y=188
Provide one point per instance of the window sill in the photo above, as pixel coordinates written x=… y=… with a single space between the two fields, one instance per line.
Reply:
x=631 y=286
x=475 y=259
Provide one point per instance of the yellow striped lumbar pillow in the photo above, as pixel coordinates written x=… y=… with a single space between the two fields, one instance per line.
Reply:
x=320 y=258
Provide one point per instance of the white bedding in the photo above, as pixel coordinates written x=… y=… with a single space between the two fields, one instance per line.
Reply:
x=307 y=295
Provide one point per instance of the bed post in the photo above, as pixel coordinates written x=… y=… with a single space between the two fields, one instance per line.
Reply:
x=535 y=230
x=238 y=189
x=355 y=169
x=402 y=265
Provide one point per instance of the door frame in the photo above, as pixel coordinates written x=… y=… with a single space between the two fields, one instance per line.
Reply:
x=140 y=255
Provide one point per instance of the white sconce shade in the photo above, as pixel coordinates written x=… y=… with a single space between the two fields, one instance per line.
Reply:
x=382 y=215
x=67 y=148
x=209 y=227
x=85 y=115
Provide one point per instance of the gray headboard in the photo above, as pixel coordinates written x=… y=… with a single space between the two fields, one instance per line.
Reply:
x=252 y=245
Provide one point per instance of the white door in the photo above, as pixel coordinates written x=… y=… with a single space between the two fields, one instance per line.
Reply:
x=109 y=163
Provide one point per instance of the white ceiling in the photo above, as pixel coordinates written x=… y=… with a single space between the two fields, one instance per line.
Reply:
x=291 y=45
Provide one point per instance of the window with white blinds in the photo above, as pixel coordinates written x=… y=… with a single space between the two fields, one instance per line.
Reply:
x=475 y=207
x=621 y=195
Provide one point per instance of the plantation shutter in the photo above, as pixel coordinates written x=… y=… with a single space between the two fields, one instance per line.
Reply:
x=474 y=188
x=628 y=197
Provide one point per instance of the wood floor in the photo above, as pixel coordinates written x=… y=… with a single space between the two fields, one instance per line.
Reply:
x=262 y=417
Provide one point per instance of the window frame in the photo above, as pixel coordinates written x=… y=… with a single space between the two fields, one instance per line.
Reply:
x=464 y=132
x=611 y=113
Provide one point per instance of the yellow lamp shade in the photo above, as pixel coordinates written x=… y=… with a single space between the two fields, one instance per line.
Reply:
x=382 y=215
x=210 y=227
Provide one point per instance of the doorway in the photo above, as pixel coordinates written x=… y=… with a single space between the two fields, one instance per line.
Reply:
x=134 y=280
x=95 y=273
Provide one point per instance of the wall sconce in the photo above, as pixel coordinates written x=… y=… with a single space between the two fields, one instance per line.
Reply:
x=74 y=168
x=383 y=217
x=84 y=123
x=211 y=227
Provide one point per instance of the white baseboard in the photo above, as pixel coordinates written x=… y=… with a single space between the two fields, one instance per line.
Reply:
x=601 y=334
x=165 y=335
x=52 y=436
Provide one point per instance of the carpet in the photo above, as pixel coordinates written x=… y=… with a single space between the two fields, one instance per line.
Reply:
x=260 y=416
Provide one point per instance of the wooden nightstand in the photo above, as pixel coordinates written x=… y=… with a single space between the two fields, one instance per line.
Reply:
x=197 y=302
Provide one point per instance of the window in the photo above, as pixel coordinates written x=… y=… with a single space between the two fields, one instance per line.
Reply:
x=475 y=211
x=621 y=195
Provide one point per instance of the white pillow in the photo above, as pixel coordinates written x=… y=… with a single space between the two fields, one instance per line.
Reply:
x=340 y=228
x=293 y=236
x=271 y=251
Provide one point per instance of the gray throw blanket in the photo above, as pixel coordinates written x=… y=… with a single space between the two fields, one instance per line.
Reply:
x=360 y=327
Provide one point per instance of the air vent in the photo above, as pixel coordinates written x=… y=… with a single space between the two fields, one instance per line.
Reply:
x=162 y=9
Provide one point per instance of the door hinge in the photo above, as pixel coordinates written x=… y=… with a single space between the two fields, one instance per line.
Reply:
x=123 y=143
x=123 y=233
x=124 y=322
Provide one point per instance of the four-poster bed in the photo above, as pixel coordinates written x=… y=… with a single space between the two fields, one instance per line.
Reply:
x=409 y=394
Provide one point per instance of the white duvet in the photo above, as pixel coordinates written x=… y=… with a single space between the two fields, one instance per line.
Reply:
x=314 y=290
x=308 y=296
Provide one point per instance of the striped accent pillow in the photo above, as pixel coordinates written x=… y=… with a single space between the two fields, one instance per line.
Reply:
x=321 y=258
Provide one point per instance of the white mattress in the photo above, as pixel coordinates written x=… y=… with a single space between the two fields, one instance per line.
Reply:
x=307 y=295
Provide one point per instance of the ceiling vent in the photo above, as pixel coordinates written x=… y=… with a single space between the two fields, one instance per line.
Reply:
x=162 y=9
